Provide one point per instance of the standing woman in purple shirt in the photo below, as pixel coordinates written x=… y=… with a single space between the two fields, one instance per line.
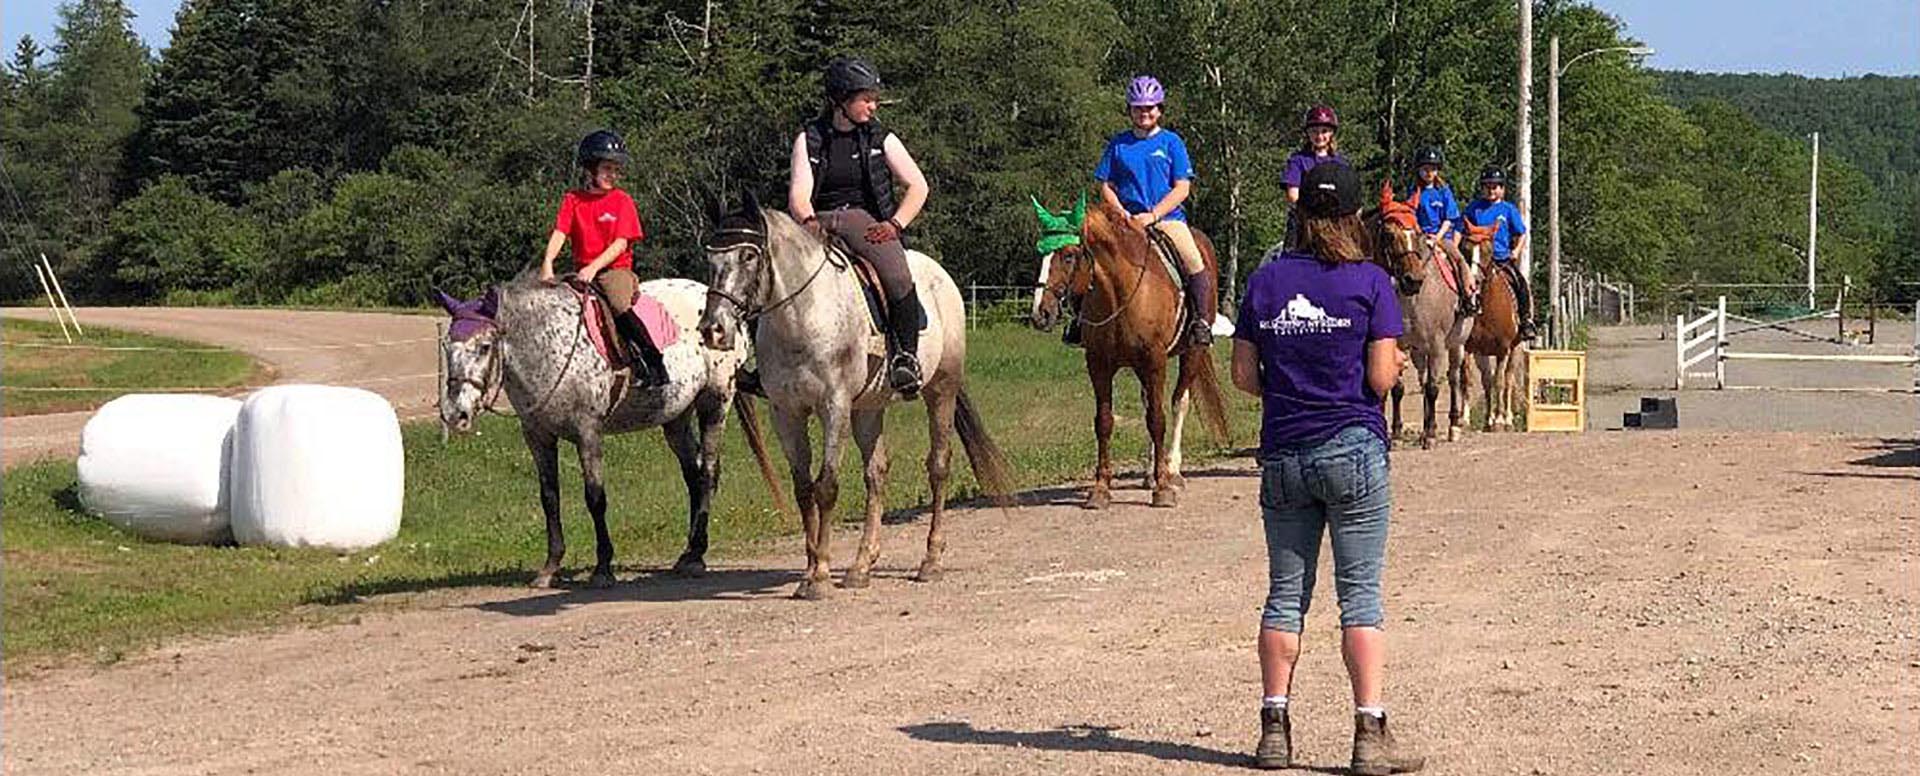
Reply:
x=1317 y=343
x=1318 y=146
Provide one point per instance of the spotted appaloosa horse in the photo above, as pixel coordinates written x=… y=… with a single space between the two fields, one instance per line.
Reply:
x=1496 y=330
x=820 y=356
x=526 y=338
x=1129 y=316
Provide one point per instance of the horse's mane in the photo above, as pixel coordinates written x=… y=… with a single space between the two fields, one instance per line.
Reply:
x=785 y=236
x=1107 y=226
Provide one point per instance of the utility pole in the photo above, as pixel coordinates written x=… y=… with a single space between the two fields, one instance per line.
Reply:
x=1813 y=219
x=1555 y=335
x=1524 y=140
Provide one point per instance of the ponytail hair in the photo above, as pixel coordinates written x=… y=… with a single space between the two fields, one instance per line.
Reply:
x=1335 y=240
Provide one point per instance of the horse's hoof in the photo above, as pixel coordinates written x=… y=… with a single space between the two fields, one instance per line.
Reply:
x=1178 y=482
x=542 y=581
x=1098 y=499
x=601 y=580
x=1426 y=443
x=857 y=580
x=1454 y=433
x=690 y=567
x=1166 y=498
x=929 y=572
x=813 y=590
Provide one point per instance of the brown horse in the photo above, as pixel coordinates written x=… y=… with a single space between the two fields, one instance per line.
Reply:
x=1129 y=312
x=1436 y=332
x=1496 y=330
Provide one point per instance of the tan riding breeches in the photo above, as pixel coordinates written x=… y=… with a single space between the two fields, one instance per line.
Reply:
x=1183 y=244
x=619 y=285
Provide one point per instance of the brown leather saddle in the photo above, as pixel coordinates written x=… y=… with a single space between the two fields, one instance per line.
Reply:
x=596 y=315
x=878 y=309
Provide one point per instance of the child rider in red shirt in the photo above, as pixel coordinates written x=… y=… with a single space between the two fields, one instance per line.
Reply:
x=601 y=223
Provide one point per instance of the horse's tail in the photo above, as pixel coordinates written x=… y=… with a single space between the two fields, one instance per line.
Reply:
x=990 y=465
x=1213 y=403
x=749 y=414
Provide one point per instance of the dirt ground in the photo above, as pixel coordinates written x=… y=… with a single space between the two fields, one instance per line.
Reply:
x=392 y=355
x=1652 y=603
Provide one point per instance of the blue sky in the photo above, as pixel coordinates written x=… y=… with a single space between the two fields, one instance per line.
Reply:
x=1844 y=37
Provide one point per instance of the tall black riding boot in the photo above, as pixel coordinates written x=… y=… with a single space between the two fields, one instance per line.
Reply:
x=903 y=369
x=648 y=365
x=1523 y=294
x=1203 y=302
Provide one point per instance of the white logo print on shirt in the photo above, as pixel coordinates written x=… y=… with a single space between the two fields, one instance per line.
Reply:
x=1160 y=152
x=606 y=218
x=1302 y=316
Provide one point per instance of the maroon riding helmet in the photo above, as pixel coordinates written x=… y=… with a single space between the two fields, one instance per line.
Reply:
x=1320 y=116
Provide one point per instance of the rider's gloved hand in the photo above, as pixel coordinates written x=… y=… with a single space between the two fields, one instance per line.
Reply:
x=883 y=231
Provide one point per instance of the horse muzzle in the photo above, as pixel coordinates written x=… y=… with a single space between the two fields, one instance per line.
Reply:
x=716 y=336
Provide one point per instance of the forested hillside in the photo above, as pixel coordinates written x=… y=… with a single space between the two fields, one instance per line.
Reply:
x=1872 y=123
x=357 y=153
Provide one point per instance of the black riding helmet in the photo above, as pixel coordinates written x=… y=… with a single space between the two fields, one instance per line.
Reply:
x=1429 y=155
x=1493 y=175
x=600 y=146
x=848 y=76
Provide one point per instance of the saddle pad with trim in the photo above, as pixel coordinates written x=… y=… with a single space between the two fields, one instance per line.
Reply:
x=597 y=315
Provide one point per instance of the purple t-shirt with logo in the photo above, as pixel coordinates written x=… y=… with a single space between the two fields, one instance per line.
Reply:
x=1300 y=162
x=1311 y=322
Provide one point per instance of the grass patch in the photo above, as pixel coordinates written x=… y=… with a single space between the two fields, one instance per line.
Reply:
x=77 y=587
x=34 y=367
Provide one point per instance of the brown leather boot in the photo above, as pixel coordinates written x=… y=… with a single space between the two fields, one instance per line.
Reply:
x=1275 y=749
x=1374 y=750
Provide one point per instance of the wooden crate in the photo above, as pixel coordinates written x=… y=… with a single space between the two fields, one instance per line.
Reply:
x=1556 y=390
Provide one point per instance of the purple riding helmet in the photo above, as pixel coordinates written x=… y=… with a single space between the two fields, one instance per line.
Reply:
x=1145 y=91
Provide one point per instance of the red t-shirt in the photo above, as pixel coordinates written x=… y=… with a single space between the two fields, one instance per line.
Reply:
x=593 y=220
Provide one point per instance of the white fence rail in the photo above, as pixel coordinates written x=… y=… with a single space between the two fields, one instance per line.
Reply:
x=1706 y=338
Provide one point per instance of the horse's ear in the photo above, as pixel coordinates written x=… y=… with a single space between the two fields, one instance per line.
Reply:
x=1080 y=211
x=1386 y=192
x=1039 y=210
x=446 y=301
x=749 y=202
x=490 y=303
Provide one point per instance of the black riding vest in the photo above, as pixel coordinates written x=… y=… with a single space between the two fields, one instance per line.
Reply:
x=850 y=168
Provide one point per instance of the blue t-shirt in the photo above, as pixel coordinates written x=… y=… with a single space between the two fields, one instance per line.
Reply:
x=1311 y=322
x=1505 y=217
x=1437 y=206
x=1143 y=169
x=1300 y=162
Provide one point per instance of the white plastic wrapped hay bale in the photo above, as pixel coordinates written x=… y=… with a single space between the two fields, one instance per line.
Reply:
x=154 y=464
x=316 y=466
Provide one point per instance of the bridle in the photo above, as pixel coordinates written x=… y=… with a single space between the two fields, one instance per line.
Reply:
x=495 y=382
x=1073 y=266
x=756 y=245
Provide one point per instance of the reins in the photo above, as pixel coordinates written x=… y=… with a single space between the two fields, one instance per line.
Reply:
x=757 y=245
x=496 y=382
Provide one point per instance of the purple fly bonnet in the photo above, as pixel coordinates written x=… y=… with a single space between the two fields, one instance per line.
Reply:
x=469 y=318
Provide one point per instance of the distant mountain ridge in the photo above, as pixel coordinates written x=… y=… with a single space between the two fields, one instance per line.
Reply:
x=1872 y=121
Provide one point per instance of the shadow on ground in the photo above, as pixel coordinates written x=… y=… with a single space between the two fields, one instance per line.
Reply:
x=1072 y=738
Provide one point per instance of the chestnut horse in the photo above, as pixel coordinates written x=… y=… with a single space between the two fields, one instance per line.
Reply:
x=1496 y=330
x=1129 y=314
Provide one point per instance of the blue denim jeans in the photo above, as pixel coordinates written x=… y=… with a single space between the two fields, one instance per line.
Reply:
x=1339 y=487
